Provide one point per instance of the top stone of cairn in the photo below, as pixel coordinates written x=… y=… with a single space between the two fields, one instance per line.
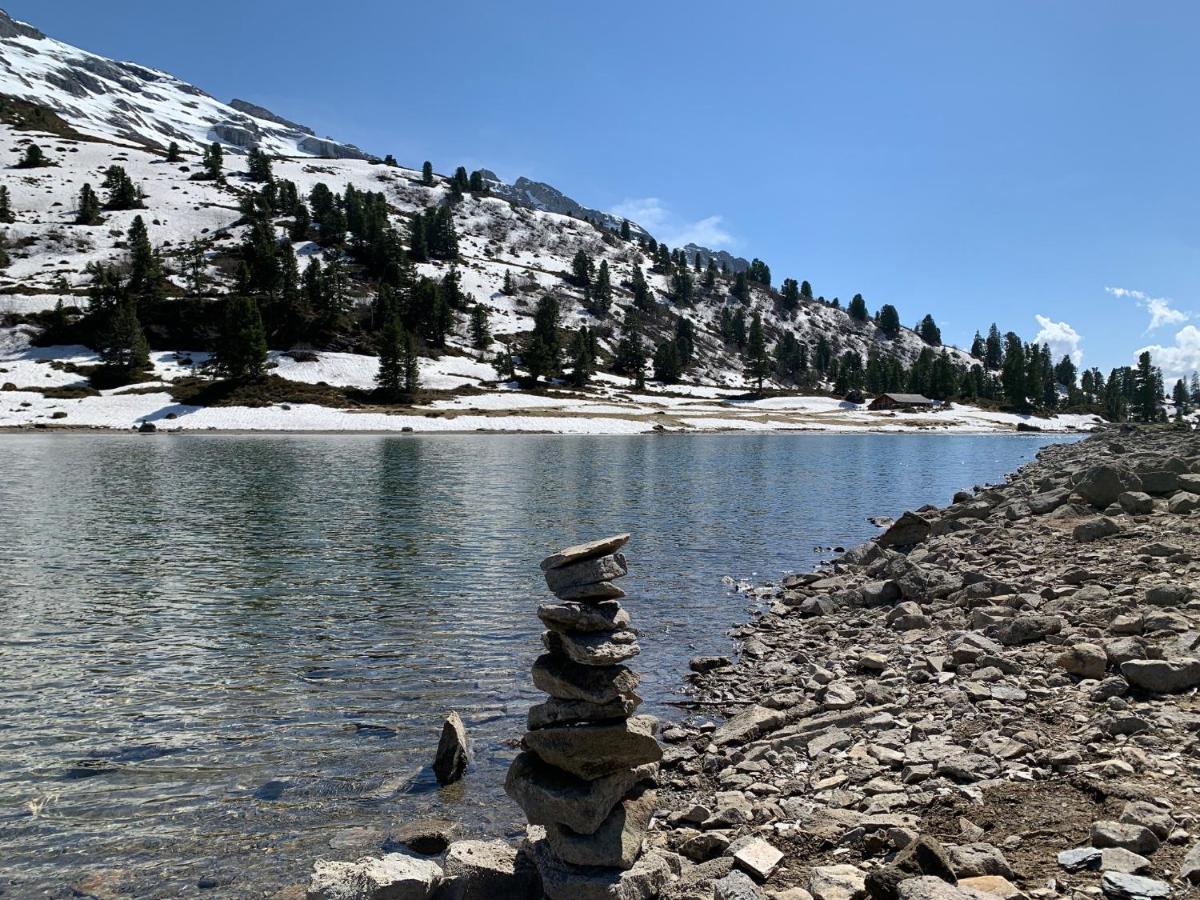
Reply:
x=580 y=552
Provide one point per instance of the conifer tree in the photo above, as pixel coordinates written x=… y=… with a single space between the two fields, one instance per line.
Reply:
x=509 y=288
x=757 y=362
x=685 y=341
x=122 y=194
x=399 y=369
x=681 y=286
x=1013 y=377
x=298 y=231
x=631 y=355
x=6 y=213
x=993 y=354
x=259 y=166
x=582 y=357
x=481 y=333
x=89 y=207
x=461 y=180
x=33 y=158
x=889 y=321
x=581 y=269
x=978 y=346
x=146 y=281
x=541 y=356
x=601 y=293
x=739 y=329
x=241 y=352
x=857 y=308
x=741 y=288
x=173 y=153
x=5 y=259
x=418 y=245
x=1148 y=387
x=1179 y=395
x=759 y=272
x=626 y=232
x=806 y=293
x=666 y=363
x=214 y=161
x=124 y=348
x=641 y=290
x=427 y=174
x=476 y=183
x=710 y=274
x=790 y=294
x=929 y=332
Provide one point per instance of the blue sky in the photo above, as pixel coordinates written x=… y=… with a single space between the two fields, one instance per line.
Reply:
x=980 y=161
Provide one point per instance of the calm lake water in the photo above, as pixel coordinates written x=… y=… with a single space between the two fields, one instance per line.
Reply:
x=221 y=652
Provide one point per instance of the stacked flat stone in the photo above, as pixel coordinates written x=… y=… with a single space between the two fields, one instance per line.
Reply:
x=589 y=767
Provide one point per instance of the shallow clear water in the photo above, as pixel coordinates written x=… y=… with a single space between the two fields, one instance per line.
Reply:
x=218 y=652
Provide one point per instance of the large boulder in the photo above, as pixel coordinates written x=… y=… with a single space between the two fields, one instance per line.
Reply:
x=550 y=796
x=392 y=877
x=1184 y=503
x=1095 y=529
x=593 y=751
x=910 y=529
x=1162 y=676
x=1102 y=485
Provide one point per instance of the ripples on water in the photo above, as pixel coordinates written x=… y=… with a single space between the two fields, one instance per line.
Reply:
x=219 y=651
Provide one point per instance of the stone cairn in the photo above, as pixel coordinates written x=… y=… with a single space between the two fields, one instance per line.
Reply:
x=589 y=765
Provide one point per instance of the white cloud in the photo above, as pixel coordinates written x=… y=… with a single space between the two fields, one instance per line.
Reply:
x=657 y=218
x=1160 y=309
x=1179 y=359
x=1062 y=338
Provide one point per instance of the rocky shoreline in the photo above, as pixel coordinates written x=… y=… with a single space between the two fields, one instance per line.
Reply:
x=991 y=700
x=994 y=699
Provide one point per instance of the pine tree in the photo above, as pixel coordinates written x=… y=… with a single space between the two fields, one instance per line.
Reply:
x=427 y=174
x=301 y=223
x=1194 y=388
x=89 y=207
x=738 y=325
x=889 y=321
x=509 y=288
x=146 y=281
x=790 y=294
x=993 y=354
x=399 y=368
x=174 y=154
x=5 y=259
x=641 y=290
x=33 y=158
x=710 y=274
x=1116 y=404
x=978 y=346
x=476 y=183
x=461 y=180
x=631 y=355
x=1014 y=377
x=214 y=161
x=666 y=363
x=241 y=352
x=1148 y=388
x=806 y=293
x=685 y=341
x=259 y=166
x=124 y=348
x=601 y=293
x=681 y=286
x=418 y=244
x=541 y=356
x=929 y=332
x=481 y=334
x=626 y=233
x=759 y=272
x=6 y=213
x=757 y=362
x=1180 y=396
x=858 y=309
x=122 y=194
x=741 y=287
x=582 y=357
x=581 y=269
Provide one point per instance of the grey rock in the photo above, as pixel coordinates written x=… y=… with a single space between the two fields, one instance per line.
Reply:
x=566 y=680
x=593 y=648
x=1095 y=529
x=1136 y=503
x=392 y=877
x=1148 y=815
x=589 y=550
x=841 y=882
x=910 y=529
x=1084 y=660
x=1101 y=485
x=562 y=881
x=1080 y=858
x=566 y=712
x=1025 y=629
x=453 y=751
x=1119 y=886
x=1162 y=676
x=929 y=887
x=593 y=751
x=488 y=870
x=605 y=615
x=1189 y=869
x=736 y=886
x=550 y=796
x=1127 y=836
x=587 y=571
x=1184 y=503
x=970 y=860
x=615 y=844
x=757 y=858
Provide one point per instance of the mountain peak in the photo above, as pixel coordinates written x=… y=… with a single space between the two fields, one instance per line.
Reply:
x=11 y=28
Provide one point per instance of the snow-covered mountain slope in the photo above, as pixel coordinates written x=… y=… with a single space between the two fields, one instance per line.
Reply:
x=133 y=104
x=525 y=234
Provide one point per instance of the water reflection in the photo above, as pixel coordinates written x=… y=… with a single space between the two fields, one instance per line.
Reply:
x=217 y=645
